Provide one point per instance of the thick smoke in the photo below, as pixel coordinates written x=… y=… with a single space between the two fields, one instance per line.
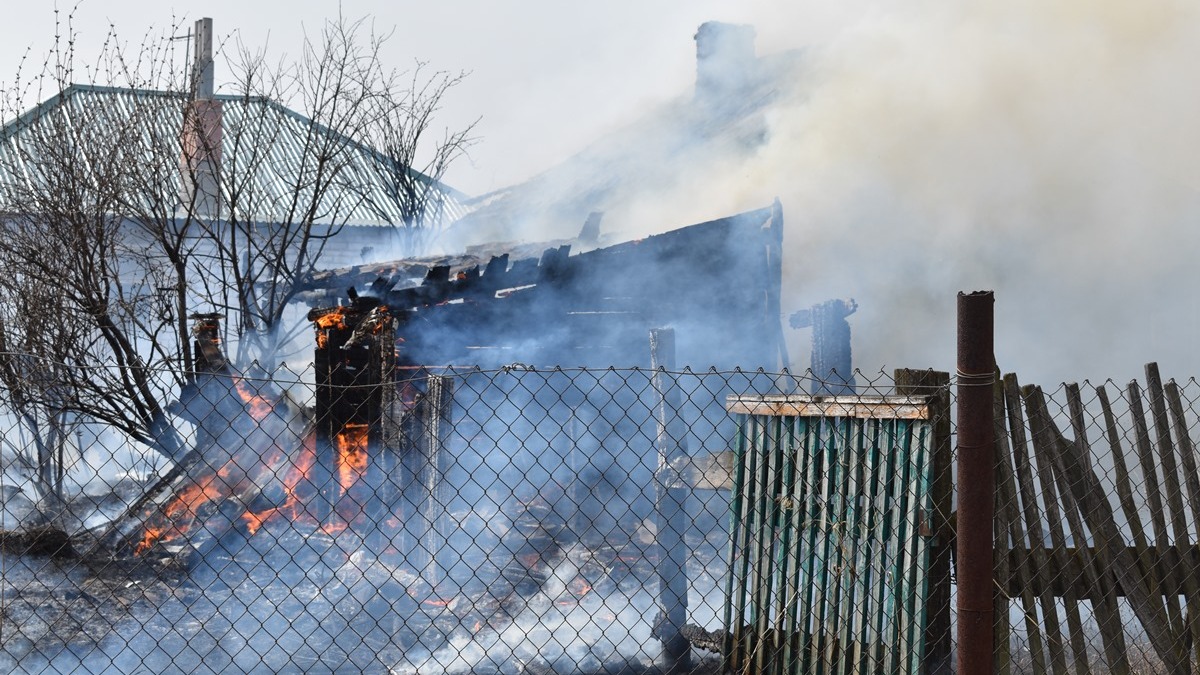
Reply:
x=1046 y=150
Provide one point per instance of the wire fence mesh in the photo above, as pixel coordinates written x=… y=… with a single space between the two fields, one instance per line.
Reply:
x=509 y=521
x=526 y=520
x=1097 y=514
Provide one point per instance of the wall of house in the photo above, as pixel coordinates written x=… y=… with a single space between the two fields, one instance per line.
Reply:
x=717 y=284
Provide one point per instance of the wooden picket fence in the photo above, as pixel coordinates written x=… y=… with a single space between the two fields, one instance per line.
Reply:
x=1096 y=537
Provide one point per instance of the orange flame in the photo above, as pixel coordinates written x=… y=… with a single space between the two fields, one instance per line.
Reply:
x=174 y=520
x=334 y=320
x=248 y=468
x=259 y=406
x=297 y=473
x=578 y=588
x=351 y=447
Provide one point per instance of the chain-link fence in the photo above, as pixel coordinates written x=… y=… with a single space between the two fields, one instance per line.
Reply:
x=593 y=521
x=509 y=521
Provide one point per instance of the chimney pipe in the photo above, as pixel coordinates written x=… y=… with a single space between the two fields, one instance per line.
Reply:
x=200 y=162
x=202 y=61
x=725 y=61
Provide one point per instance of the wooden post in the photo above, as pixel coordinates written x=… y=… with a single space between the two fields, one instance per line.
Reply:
x=670 y=502
x=936 y=385
x=976 y=481
x=436 y=424
x=576 y=490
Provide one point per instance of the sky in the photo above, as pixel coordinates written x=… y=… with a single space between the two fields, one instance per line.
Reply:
x=1046 y=149
x=546 y=76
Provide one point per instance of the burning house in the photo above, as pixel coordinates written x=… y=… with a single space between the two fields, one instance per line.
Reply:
x=717 y=283
x=467 y=497
x=478 y=481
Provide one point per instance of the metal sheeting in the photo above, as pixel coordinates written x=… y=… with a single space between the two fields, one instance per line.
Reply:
x=829 y=549
x=269 y=155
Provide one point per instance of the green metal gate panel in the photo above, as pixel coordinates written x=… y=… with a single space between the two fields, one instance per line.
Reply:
x=830 y=541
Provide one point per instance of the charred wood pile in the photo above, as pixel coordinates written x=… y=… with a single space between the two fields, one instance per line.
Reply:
x=361 y=460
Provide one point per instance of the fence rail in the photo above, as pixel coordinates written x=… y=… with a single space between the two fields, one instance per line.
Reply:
x=1098 y=505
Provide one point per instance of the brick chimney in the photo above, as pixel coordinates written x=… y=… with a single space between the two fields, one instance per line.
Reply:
x=725 y=61
x=201 y=135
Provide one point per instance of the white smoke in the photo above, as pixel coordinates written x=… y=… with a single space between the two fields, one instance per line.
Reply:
x=1046 y=150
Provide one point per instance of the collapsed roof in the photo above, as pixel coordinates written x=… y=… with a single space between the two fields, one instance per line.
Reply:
x=717 y=283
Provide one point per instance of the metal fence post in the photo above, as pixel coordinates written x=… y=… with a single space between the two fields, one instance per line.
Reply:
x=976 y=481
x=670 y=499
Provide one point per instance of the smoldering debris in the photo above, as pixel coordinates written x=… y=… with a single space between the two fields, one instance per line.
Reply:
x=44 y=540
x=58 y=608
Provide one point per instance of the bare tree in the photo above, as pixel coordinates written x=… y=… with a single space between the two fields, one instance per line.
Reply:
x=33 y=386
x=127 y=209
x=289 y=184
x=414 y=155
x=65 y=231
x=84 y=285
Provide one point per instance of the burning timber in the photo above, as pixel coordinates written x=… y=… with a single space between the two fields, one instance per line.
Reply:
x=349 y=504
x=369 y=460
x=250 y=454
x=718 y=283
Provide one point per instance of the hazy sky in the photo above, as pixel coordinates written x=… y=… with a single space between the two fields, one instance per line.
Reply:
x=547 y=76
x=1047 y=149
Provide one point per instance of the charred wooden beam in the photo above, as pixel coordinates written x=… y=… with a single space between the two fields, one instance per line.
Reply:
x=429 y=463
x=671 y=509
x=831 y=364
x=206 y=345
x=354 y=360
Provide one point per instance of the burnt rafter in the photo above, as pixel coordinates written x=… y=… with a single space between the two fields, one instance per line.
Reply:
x=717 y=283
x=439 y=286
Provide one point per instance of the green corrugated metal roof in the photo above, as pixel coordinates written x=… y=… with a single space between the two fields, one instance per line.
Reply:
x=254 y=129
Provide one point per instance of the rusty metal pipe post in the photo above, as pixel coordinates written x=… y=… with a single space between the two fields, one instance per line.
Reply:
x=976 y=481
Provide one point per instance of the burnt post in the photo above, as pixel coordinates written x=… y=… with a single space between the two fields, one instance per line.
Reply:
x=354 y=363
x=976 y=481
x=832 y=364
x=671 y=498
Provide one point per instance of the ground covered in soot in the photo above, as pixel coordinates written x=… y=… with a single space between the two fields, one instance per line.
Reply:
x=518 y=599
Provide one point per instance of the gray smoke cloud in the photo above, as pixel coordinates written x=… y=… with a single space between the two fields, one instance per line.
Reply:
x=1046 y=150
